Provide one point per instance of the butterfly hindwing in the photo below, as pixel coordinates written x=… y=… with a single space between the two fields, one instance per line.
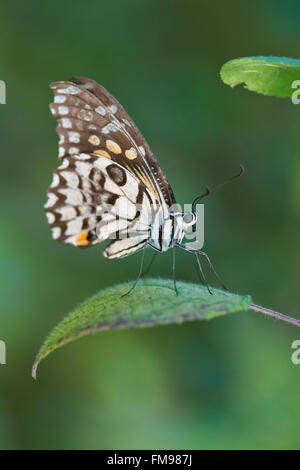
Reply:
x=125 y=247
x=92 y=199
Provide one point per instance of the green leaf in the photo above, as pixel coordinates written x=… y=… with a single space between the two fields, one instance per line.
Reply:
x=273 y=76
x=153 y=302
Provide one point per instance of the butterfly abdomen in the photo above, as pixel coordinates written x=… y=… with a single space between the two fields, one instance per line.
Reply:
x=165 y=232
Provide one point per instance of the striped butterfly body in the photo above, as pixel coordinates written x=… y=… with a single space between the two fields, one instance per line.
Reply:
x=109 y=184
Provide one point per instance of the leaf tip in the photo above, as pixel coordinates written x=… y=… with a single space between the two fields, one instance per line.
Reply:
x=34 y=369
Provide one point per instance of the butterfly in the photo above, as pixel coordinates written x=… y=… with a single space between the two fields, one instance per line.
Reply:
x=109 y=184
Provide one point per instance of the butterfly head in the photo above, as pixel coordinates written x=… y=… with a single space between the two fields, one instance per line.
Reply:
x=189 y=220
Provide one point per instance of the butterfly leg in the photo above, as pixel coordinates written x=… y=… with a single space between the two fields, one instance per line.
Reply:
x=197 y=253
x=150 y=264
x=139 y=275
x=202 y=273
x=174 y=271
x=213 y=269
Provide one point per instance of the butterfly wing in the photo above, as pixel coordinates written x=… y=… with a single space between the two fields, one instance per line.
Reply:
x=122 y=248
x=92 y=199
x=92 y=120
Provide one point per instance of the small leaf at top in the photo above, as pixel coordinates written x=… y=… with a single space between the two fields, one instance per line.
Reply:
x=273 y=76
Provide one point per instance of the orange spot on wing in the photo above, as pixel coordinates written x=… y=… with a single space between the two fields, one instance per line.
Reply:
x=113 y=146
x=103 y=153
x=81 y=240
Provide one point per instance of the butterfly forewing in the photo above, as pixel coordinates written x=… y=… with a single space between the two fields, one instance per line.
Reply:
x=109 y=185
x=92 y=120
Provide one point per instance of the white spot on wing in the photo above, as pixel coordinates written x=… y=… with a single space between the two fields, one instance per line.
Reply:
x=63 y=110
x=110 y=127
x=85 y=115
x=92 y=221
x=74 y=137
x=84 y=210
x=85 y=184
x=112 y=187
x=50 y=217
x=84 y=168
x=74 y=227
x=73 y=150
x=71 y=240
x=124 y=208
x=71 y=178
x=67 y=212
x=66 y=123
x=59 y=99
x=56 y=231
x=102 y=163
x=131 y=189
x=100 y=110
x=73 y=196
x=83 y=156
x=70 y=90
x=113 y=108
x=61 y=151
x=52 y=198
x=64 y=164
x=55 y=180
x=126 y=122
x=108 y=217
x=110 y=229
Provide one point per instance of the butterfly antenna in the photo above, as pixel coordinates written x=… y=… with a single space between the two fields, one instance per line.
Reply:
x=202 y=273
x=139 y=275
x=208 y=190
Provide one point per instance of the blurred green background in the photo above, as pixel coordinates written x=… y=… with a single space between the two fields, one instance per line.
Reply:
x=227 y=383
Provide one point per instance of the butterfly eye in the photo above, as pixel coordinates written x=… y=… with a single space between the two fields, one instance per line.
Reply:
x=188 y=218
